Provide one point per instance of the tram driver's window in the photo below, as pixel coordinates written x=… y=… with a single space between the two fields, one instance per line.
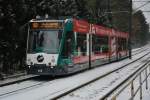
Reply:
x=41 y=39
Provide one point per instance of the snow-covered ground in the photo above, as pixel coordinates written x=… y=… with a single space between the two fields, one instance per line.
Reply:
x=97 y=89
x=55 y=87
x=126 y=93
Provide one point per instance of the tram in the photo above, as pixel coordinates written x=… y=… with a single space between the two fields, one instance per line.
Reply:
x=60 y=47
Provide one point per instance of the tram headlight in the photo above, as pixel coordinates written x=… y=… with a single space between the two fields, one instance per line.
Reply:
x=29 y=66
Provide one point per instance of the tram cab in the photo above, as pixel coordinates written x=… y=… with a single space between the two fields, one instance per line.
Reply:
x=50 y=47
x=43 y=47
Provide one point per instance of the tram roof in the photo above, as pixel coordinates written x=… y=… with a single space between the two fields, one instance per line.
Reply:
x=45 y=20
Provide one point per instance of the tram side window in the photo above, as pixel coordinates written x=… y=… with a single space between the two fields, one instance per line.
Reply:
x=81 y=46
x=120 y=44
x=100 y=44
x=124 y=44
x=68 y=45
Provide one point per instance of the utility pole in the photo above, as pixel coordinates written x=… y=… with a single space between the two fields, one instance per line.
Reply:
x=90 y=46
x=130 y=30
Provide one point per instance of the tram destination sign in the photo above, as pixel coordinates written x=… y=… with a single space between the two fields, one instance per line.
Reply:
x=46 y=25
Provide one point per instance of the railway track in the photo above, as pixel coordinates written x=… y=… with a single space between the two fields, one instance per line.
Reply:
x=139 y=51
x=98 y=78
x=33 y=82
x=97 y=90
x=126 y=80
x=34 y=86
x=16 y=79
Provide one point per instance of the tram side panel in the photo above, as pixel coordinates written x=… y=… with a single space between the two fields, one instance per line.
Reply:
x=77 y=57
x=100 y=49
x=113 y=50
x=122 y=48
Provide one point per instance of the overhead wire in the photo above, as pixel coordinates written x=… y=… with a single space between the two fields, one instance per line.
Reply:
x=142 y=5
x=136 y=9
x=139 y=1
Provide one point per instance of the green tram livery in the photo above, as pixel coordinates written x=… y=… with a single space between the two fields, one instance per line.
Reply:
x=60 y=47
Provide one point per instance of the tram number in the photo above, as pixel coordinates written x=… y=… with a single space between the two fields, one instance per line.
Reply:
x=39 y=70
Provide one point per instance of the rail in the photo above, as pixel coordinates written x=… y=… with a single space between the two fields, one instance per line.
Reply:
x=129 y=83
x=95 y=79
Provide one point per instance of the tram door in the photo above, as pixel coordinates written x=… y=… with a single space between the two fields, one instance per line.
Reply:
x=113 y=45
x=67 y=51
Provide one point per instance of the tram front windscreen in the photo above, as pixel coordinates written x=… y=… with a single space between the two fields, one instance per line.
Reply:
x=44 y=40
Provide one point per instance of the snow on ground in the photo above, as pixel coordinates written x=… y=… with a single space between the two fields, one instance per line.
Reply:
x=58 y=86
x=19 y=86
x=126 y=94
x=97 y=89
x=137 y=49
x=146 y=92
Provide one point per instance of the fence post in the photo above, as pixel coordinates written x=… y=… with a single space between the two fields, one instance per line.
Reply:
x=113 y=98
x=105 y=99
x=149 y=67
x=146 y=78
x=140 y=82
x=132 y=90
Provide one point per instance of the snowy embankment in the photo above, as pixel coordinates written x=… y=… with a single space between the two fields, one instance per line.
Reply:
x=96 y=90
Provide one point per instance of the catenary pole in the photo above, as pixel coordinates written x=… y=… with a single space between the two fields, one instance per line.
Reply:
x=130 y=30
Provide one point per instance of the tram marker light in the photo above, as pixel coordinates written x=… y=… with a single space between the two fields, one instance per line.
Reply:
x=53 y=59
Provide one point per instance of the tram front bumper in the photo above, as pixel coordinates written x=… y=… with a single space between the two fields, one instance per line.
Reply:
x=42 y=69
